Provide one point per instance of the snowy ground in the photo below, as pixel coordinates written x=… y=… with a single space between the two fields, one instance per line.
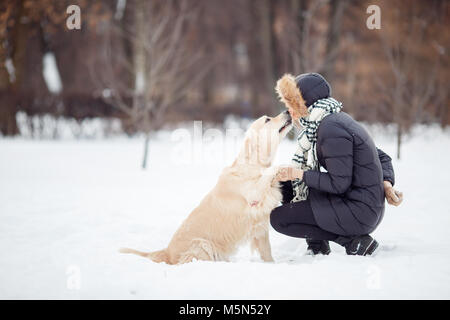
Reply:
x=67 y=206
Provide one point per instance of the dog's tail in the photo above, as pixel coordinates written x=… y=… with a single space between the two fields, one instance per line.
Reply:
x=156 y=256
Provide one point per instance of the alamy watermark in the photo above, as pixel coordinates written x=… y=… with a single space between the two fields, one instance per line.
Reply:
x=73 y=280
x=374 y=20
x=73 y=21
x=198 y=146
x=373 y=281
x=214 y=146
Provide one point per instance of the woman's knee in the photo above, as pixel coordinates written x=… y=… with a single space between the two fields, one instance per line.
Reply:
x=275 y=218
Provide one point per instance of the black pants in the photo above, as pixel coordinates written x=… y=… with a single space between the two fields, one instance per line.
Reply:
x=297 y=219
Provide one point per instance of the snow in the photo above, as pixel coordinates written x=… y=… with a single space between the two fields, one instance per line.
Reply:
x=66 y=206
x=50 y=127
x=9 y=65
x=51 y=73
x=120 y=8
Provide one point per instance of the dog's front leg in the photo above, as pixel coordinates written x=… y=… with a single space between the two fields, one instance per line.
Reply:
x=260 y=188
x=261 y=243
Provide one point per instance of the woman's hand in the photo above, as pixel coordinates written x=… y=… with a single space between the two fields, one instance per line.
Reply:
x=287 y=173
x=393 y=196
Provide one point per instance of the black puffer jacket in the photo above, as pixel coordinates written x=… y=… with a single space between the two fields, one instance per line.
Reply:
x=348 y=199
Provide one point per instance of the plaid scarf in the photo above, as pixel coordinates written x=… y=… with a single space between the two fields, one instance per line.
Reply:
x=306 y=155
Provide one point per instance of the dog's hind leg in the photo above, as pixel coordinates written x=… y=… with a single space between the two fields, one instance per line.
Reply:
x=200 y=249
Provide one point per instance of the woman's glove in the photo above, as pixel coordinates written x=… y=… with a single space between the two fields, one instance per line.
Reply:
x=393 y=196
x=288 y=173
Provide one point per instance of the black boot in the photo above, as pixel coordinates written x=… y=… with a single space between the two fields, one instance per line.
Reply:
x=360 y=245
x=318 y=246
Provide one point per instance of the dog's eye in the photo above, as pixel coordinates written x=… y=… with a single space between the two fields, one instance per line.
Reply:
x=267 y=120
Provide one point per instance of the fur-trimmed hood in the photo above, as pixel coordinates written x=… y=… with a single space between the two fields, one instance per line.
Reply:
x=302 y=91
x=290 y=95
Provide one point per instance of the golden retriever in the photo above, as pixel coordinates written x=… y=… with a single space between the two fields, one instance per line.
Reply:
x=237 y=209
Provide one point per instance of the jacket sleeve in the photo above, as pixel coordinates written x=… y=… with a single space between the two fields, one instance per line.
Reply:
x=386 y=165
x=337 y=150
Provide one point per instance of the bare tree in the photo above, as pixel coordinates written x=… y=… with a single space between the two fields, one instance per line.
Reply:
x=333 y=42
x=157 y=72
x=414 y=73
x=306 y=52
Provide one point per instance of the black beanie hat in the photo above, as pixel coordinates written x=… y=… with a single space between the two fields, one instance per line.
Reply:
x=313 y=87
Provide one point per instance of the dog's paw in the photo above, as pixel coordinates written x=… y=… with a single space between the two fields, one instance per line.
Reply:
x=271 y=171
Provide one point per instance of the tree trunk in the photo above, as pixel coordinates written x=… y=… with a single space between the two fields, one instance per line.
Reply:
x=9 y=91
x=333 y=37
x=139 y=56
x=8 y=104
x=299 y=8
x=268 y=51
x=399 y=139
x=140 y=76
x=146 y=144
x=444 y=112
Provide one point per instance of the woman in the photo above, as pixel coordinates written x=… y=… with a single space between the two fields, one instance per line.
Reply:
x=345 y=202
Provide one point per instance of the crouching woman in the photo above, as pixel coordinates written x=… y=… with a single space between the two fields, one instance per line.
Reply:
x=345 y=202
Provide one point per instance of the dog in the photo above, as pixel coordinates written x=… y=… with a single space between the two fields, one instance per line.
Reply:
x=237 y=209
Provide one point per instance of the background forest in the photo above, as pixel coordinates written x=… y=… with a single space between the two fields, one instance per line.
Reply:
x=151 y=63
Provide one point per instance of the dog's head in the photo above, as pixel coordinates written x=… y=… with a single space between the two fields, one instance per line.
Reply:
x=262 y=139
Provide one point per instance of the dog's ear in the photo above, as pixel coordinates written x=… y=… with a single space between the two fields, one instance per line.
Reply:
x=267 y=141
x=258 y=148
x=245 y=154
x=252 y=148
